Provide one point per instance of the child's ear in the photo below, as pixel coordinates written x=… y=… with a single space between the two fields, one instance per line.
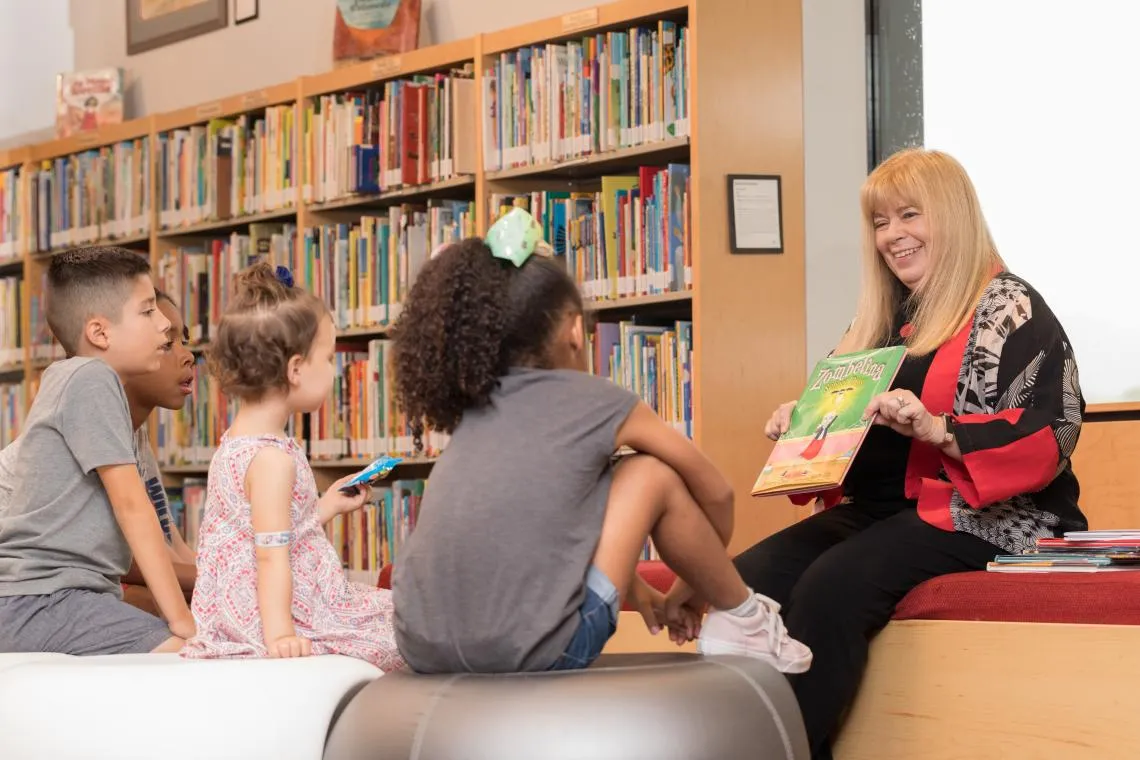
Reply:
x=577 y=333
x=97 y=332
x=293 y=369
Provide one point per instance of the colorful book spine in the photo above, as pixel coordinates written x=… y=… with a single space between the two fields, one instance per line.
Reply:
x=13 y=403
x=371 y=537
x=12 y=298
x=9 y=215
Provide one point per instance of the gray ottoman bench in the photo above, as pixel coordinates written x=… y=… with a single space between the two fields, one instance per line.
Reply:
x=625 y=707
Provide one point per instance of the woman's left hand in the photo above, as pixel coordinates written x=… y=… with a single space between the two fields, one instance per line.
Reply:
x=903 y=412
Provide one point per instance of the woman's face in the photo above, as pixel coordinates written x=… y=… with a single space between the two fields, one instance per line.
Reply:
x=901 y=236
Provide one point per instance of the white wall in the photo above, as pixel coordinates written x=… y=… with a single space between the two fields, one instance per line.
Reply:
x=35 y=45
x=1049 y=136
x=290 y=38
x=835 y=165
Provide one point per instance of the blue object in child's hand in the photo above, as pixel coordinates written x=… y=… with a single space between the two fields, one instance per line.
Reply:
x=373 y=472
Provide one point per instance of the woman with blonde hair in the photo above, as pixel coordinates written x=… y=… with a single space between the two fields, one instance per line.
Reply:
x=969 y=454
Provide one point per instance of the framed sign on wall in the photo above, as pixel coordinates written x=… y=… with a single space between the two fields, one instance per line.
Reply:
x=154 y=23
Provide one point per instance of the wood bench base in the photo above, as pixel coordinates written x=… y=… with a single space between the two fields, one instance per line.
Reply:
x=947 y=689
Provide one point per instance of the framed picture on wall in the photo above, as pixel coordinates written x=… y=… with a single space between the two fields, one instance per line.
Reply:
x=154 y=23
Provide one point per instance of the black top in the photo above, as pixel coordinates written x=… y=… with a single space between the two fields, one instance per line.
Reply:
x=879 y=471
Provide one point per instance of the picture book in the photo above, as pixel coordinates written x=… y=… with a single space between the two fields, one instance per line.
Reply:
x=86 y=100
x=827 y=427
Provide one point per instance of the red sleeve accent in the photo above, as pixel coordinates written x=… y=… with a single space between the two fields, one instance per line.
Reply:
x=989 y=475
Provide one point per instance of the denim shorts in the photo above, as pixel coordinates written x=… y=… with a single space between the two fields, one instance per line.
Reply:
x=597 y=621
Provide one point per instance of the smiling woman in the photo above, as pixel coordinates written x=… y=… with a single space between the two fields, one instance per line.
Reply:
x=969 y=457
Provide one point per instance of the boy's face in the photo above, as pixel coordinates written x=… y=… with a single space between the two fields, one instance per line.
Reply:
x=136 y=343
x=174 y=380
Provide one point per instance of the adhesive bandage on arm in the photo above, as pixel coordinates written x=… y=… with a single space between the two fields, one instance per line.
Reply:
x=270 y=540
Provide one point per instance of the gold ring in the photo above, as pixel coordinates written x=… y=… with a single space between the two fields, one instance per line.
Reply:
x=902 y=401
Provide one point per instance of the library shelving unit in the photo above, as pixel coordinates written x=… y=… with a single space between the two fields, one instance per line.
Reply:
x=617 y=126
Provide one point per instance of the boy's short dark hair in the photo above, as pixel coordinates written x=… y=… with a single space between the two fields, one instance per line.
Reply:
x=88 y=282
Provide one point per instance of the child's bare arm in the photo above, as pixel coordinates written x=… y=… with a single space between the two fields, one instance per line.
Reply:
x=269 y=483
x=645 y=432
x=137 y=519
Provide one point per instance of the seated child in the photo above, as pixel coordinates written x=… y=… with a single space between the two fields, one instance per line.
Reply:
x=167 y=388
x=79 y=510
x=528 y=538
x=269 y=582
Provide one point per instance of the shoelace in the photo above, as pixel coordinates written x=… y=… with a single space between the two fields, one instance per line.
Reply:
x=777 y=632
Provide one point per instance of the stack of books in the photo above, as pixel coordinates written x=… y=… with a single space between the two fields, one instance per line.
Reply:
x=1088 y=551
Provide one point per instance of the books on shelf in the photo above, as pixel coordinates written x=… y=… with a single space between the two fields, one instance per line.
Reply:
x=227 y=168
x=91 y=196
x=361 y=420
x=653 y=361
x=13 y=403
x=400 y=133
x=364 y=270
x=826 y=427
x=630 y=238
x=12 y=298
x=9 y=215
x=558 y=101
x=1085 y=551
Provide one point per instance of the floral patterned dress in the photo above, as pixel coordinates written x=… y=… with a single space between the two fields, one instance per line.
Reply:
x=335 y=614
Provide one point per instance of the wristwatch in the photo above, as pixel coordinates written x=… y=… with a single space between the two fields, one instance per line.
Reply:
x=948 y=434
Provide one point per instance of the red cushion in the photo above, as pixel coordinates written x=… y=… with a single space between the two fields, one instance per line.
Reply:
x=1109 y=598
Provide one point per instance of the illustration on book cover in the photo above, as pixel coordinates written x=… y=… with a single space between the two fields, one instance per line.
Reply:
x=87 y=100
x=827 y=427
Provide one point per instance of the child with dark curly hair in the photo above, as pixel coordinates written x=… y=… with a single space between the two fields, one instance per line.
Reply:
x=269 y=582
x=528 y=536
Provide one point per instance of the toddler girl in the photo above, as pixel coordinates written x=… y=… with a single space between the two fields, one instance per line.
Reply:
x=528 y=536
x=269 y=582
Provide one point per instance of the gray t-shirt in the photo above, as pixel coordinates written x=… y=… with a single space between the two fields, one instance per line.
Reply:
x=493 y=574
x=58 y=530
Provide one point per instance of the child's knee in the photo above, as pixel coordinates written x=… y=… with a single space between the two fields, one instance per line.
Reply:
x=646 y=471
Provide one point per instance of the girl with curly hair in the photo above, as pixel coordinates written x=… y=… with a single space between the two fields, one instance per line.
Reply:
x=528 y=536
x=269 y=582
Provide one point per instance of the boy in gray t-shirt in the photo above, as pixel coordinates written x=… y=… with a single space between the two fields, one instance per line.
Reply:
x=78 y=509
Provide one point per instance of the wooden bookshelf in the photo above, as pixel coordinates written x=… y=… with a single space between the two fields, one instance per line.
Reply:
x=744 y=98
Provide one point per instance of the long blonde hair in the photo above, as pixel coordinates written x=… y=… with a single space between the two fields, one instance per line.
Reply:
x=962 y=255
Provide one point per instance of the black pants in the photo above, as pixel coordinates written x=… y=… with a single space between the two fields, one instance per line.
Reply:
x=838 y=576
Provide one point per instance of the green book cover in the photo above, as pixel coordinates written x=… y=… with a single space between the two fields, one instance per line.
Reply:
x=827 y=427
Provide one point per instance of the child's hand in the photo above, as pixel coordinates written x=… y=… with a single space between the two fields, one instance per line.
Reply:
x=290 y=646
x=648 y=601
x=683 y=613
x=184 y=628
x=334 y=502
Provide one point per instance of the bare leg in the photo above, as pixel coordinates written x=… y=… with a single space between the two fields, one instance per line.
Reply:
x=647 y=497
x=173 y=644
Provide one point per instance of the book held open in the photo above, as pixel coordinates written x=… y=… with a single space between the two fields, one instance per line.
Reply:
x=827 y=427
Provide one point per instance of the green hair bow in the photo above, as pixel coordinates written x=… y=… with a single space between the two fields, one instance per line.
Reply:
x=515 y=237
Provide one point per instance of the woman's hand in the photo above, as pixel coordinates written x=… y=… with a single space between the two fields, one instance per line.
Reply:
x=903 y=412
x=778 y=423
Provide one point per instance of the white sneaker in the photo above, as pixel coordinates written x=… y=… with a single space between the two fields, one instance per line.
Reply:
x=761 y=635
